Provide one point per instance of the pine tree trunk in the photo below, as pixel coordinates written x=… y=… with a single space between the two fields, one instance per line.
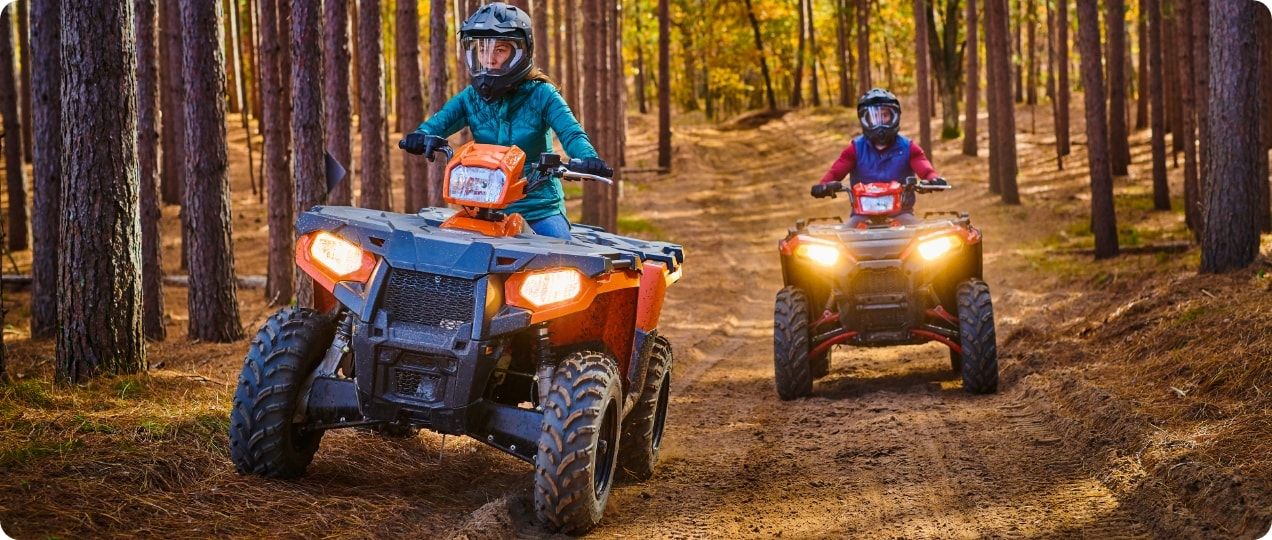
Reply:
x=148 y=160
x=173 y=96
x=99 y=274
x=1161 y=188
x=572 y=58
x=1119 y=137
x=664 y=86
x=1174 y=103
x=759 y=48
x=411 y=96
x=558 y=61
x=863 y=47
x=812 y=49
x=1004 y=110
x=336 y=106
x=375 y=189
x=617 y=110
x=1062 y=81
x=24 y=86
x=921 y=59
x=1201 y=68
x=593 y=57
x=992 y=93
x=1030 y=20
x=1141 y=86
x=307 y=120
x=1103 y=218
x=1264 y=207
x=436 y=88
x=1230 y=238
x=1187 y=126
x=1016 y=52
x=250 y=48
x=19 y=231
x=277 y=178
x=641 y=78
x=233 y=100
x=797 y=81
x=213 y=290
x=972 y=96
x=540 y=14
x=841 y=56
x=46 y=164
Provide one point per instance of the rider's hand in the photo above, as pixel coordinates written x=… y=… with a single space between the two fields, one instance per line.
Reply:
x=826 y=190
x=422 y=144
x=935 y=181
x=593 y=166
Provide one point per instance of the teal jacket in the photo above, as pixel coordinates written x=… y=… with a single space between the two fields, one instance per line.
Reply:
x=521 y=117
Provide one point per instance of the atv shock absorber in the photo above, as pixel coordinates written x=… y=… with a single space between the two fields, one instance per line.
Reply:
x=545 y=363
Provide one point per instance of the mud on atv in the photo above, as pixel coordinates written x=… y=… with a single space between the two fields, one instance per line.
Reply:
x=461 y=323
x=882 y=284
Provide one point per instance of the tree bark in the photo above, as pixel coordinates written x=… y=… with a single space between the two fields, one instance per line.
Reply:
x=1004 y=114
x=277 y=178
x=46 y=165
x=1062 y=80
x=336 y=107
x=375 y=189
x=1141 y=87
x=1201 y=68
x=251 y=48
x=797 y=80
x=1016 y=52
x=1103 y=217
x=921 y=58
x=841 y=56
x=594 y=57
x=173 y=96
x=1030 y=21
x=558 y=60
x=307 y=120
x=641 y=78
x=992 y=84
x=540 y=14
x=213 y=290
x=436 y=88
x=19 y=231
x=1230 y=238
x=571 y=57
x=1187 y=126
x=664 y=86
x=232 y=75
x=759 y=48
x=812 y=49
x=1265 y=113
x=148 y=159
x=1119 y=137
x=863 y=47
x=1161 y=188
x=411 y=94
x=24 y=86
x=99 y=274
x=971 y=120
x=1174 y=103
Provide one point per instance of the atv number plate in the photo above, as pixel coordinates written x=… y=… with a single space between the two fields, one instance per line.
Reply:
x=877 y=204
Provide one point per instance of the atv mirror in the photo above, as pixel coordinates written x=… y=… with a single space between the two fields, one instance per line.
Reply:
x=335 y=172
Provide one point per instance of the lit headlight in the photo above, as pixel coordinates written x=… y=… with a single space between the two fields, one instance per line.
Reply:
x=936 y=247
x=553 y=286
x=822 y=254
x=475 y=184
x=338 y=255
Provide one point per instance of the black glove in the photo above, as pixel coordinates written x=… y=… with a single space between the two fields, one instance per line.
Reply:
x=938 y=181
x=422 y=144
x=827 y=190
x=594 y=166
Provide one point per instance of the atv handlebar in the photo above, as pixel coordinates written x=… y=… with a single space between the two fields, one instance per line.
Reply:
x=910 y=183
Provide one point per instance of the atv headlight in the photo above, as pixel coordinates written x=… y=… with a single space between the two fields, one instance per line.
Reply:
x=476 y=184
x=552 y=286
x=936 y=247
x=336 y=254
x=823 y=254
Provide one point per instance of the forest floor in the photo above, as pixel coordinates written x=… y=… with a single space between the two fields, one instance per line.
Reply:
x=1136 y=395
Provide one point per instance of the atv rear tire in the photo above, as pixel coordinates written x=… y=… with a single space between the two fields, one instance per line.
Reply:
x=791 y=370
x=643 y=428
x=977 y=338
x=263 y=439
x=578 y=446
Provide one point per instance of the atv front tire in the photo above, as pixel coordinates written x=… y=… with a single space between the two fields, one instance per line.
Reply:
x=643 y=428
x=578 y=447
x=263 y=438
x=976 y=337
x=791 y=370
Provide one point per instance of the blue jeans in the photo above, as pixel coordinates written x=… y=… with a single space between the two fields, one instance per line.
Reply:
x=555 y=226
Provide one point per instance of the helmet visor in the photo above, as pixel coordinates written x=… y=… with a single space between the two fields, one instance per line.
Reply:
x=493 y=56
x=880 y=116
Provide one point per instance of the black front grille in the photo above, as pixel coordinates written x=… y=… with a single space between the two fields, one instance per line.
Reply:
x=873 y=282
x=418 y=385
x=429 y=299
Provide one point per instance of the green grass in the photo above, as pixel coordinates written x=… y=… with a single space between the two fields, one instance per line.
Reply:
x=36 y=449
x=632 y=225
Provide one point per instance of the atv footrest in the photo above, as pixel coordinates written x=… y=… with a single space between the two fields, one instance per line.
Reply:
x=511 y=429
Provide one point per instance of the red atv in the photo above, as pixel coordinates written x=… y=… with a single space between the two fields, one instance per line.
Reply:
x=881 y=284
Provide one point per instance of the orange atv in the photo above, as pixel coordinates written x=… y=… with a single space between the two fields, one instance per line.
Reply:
x=464 y=322
x=882 y=284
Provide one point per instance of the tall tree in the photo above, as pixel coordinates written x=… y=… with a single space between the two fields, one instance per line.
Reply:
x=571 y=56
x=1103 y=217
x=664 y=85
x=375 y=188
x=46 y=164
x=1201 y=69
x=812 y=48
x=1161 y=188
x=945 y=63
x=1029 y=19
x=232 y=68
x=1187 y=126
x=921 y=59
x=436 y=87
x=1119 y=136
x=173 y=96
x=213 y=291
x=558 y=60
x=278 y=182
x=1141 y=86
x=24 y=87
x=759 y=48
x=1062 y=77
x=19 y=225
x=1016 y=51
x=1002 y=112
x=1174 y=103
x=842 y=52
x=863 y=47
x=411 y=94
x=336 y=107
x=594 y=97
x=970 y=121
x=797 y=80
x=1230 y=237
x=1265 y=112
x=307 y=119
x=99 y=273
x=148 y=159
x=540 y=14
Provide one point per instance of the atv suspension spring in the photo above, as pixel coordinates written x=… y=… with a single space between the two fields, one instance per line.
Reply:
x=545 y=363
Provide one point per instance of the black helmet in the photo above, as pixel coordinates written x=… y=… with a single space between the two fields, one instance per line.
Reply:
x=880 y=115
x=498 y=45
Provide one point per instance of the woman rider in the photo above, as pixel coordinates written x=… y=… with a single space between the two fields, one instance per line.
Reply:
x=511 y=102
